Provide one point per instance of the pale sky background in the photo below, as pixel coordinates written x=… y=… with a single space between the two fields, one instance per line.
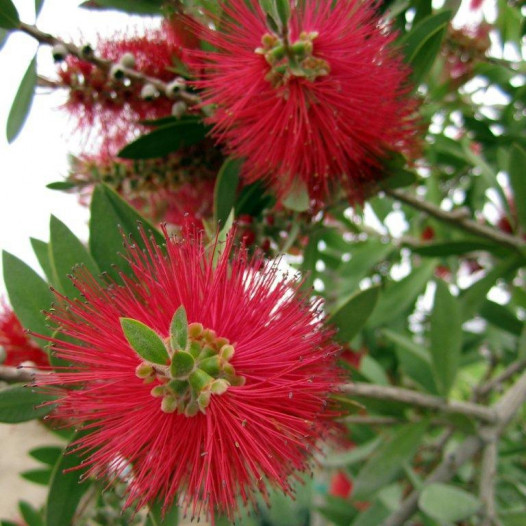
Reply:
x=39 y=154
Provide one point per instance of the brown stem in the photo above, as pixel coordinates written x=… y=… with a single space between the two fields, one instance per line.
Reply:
x=505 y=409
x=459 y=220
x=16 y=374
x=106 y=65
x=406 y=396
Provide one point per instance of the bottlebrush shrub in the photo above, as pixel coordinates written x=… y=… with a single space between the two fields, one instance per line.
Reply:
x=111 y=107
x=175 y=189
x=209 y=379
x=325 y=101
x=17 y=346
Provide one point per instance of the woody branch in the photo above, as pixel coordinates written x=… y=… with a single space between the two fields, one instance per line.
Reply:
x=106 y=65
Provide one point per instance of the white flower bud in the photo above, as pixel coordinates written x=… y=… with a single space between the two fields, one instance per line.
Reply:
x=174 y=87
x=116 y=72
x=149 y=92
x=59 y=52
x=179 y=109
x=128 y=60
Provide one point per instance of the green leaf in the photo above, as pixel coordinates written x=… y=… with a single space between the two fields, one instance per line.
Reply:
x=9 y=18
x=179 y=329
x=414 y=359
x=38 y=6
x=41 y=250
x=28 y=294
x=31 y=516
x=372 y=371
x=156 y=516
x=18 y=404
x=22 y=103
x=445 y=337
x=165 y=140
x=501 y=317
x=225 y=189
x=376 y=514
x=447 y=503
x=109 y=212
x=137 y=7
x=353 y=314
x=472 y=298
x=517 y=177
x=399 y=179
x=144 y=341
x=4 y=33
x=454 y=248
x=422 y=44
x=46 y=454
x=65 y=490
x=356 y=455
x=66 y=251
x=388 y=460
x=38 y=476
x=297 y=199
x=61 y=185
x=399 y=296
x=283 y=11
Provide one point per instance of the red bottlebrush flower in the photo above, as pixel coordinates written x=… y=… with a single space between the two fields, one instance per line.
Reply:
x=341 y=485
x=177 y=189
x=236 y=403
x=110 y=106
x=326 y=105
x=17 y=345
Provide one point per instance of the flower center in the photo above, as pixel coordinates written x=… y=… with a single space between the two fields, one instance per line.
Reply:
x=194 y=373
x=294 y=59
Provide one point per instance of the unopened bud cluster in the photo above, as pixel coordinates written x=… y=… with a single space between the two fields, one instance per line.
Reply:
x=195 y=373
x=294 y=59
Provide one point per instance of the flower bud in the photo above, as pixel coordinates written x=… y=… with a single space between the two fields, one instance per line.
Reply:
x=144 y=370
x=169 y=404
x=149 y=92
x=86 y=51
x=127 y=60
x=179 y=109
x=175 y=87
x=116 y=72
x=59 y=52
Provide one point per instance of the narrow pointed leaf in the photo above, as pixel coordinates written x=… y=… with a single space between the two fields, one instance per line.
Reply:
x=352 y=316
x=422 y=44
x=165 y=140
x=28 y=294
x=179 y=329
x=388 y=460
x=400 y=296
x=446 y=337
x=41 y=250
x=225 y=190
x=22 y=103
x=65 y=252
x=46 y=454
x=9 y=18
x=21 y=404
x=444 y=502
x=38 y=6
x=516 y=166
x=65 y=490
x=111 y=217
x=144 y=341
